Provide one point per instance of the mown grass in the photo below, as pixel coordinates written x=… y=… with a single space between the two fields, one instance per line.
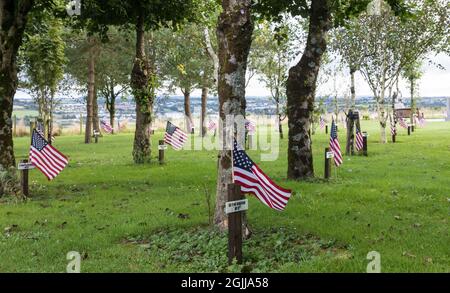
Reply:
x=396 y=202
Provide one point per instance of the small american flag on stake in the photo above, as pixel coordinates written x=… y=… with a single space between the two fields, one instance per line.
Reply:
x=322 y=122
x=334 y=145
x=250 y=126
x=106 y=126
x=174 y=136
x=212 y=125
x=45 y=157
x=253 y=180
x=402 y=122
x=359 y=140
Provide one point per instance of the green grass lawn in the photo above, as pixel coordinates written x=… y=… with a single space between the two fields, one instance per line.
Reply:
x=396 y=202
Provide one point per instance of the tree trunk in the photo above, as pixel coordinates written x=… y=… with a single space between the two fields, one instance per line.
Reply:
x=111 y=105
x=349 y=147
x=95 y=118
x=278 y=114
x=203 y=115
x=187 y=111
x=142 y=85
x=413 y=103
x=352 y=88
x=91 y=92
x=13 y=17
x=212 y=54
x=234 y=33
x=301 y=86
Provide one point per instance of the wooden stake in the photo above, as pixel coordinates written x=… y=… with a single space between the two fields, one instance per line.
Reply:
x=24 y=180
x=365 y=144
x=327 y=169
x=409 y=130
x=326 y=129
x=234 y=226
x=161 y=152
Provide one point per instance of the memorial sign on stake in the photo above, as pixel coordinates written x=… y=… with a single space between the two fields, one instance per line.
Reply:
x=328 y=156
x=24 y=166
x=161 y=148
x=236 y=205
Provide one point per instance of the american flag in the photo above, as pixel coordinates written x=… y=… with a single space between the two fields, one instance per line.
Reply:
x=253 y=180
x=402 y=122
x=212 y=125
x=334 y=145
x=322 y=122
x=250 y=126
x=106 y=126
x=45 y=157
x=422 y=121
x=359 y=140
x=174 y=136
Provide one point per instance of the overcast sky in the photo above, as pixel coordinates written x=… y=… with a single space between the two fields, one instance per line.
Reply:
x=434 y=83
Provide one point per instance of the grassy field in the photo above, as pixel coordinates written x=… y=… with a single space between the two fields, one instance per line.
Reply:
x=127 y=218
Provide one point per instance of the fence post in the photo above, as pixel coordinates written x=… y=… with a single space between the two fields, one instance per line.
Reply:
x=327 y=169
x=326 y=129
x=365 y=144
x=234 y=226
x=409 y=130
x=161 y=151
x=24 y=180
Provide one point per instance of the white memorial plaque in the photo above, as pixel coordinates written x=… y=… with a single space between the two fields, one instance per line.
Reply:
x=330 y=155
x=25 y=166
x=236 y=206
x=162 y=147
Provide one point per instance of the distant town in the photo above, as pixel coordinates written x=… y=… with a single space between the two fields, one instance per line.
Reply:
x=68 y=111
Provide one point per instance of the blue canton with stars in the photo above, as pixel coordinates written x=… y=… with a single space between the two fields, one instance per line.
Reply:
x=170 y=128
x=240 y=158
x=37 y=141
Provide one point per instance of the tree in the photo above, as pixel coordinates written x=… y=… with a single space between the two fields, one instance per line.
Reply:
x=301 y=83
x=273 y=50
x=13 y=19
x=143 y=15
x=113 y=69
x=388 y=44
x=83 y=49
x=234 y=34
x=42 y=62
x=185 y=64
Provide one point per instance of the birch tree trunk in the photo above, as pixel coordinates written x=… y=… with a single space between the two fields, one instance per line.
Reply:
x=142 y=85
x=234 y=33
x=301 y=86
x=203 y=114
x=95 y=118
x=212 y=54
x=352 y=88
x=13 y=18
